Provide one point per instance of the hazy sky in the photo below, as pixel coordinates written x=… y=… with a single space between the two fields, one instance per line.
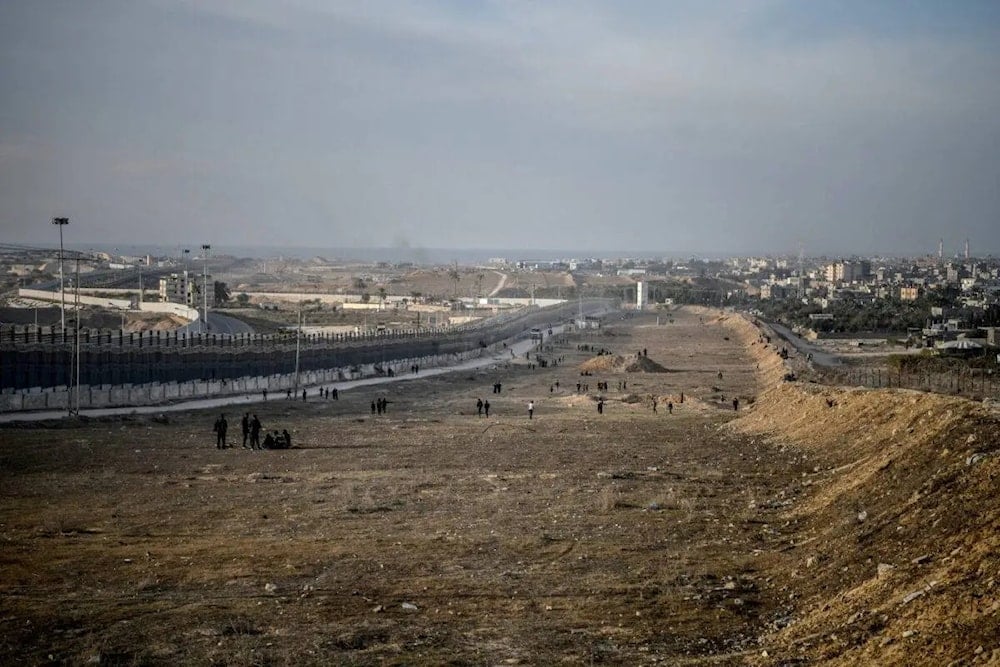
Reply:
x=730 y=127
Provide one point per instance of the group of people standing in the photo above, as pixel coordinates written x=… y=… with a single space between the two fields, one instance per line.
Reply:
x=251 y=429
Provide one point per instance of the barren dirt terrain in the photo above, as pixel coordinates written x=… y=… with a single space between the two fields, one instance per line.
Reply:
x=815 y=525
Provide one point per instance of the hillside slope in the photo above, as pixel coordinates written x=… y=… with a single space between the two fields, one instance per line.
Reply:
x=896 y=555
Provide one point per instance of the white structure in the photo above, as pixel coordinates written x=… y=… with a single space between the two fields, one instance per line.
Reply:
x=641 y=295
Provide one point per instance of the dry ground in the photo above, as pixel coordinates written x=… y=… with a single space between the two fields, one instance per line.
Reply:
x=431 y=535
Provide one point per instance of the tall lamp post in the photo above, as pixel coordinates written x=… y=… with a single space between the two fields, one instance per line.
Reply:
x=205 y=248
x=298 y=335
x=61 y=222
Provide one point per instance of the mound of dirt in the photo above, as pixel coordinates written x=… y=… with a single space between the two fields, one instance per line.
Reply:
x=604 y=363
x=607 y=363
x=895 y=525
x=642 y=365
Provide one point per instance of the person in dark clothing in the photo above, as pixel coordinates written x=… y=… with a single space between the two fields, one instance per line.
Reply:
x=385 y=405
x=670 y=407
x=255 y=433
x=269 y=441
x=245 y=427
x=288 y=438
x=303 y=395
x=336 y=397
x=479 y=407
x=221 y=426
x=600 y=406
x=486 y=407
x=265 y=394
x=374 y=407
x=736 y=404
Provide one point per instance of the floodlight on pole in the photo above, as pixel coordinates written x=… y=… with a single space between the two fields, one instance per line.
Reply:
x=205 y=248
x=61 y=222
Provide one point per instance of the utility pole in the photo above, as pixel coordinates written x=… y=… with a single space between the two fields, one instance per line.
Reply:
x=204 y=284
x=77 y=337
x=61 y=222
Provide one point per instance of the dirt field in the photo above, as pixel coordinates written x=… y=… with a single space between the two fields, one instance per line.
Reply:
x=431 y=535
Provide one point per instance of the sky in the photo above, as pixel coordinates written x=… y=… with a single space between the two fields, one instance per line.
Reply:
x=729 y=127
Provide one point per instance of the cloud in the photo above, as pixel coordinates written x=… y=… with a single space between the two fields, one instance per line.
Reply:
x=736 y=124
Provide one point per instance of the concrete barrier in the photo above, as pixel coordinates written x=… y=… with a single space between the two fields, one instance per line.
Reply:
x=100 y=396
x=35 y=402
x=11 y=402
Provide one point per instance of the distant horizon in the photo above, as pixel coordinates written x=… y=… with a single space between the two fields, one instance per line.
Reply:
x=445 y=255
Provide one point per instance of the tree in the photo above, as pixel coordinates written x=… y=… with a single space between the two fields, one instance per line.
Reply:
x=381 y=297
x=221 y=292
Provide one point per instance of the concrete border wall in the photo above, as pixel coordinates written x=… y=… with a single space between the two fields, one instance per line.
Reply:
x=178 y=309
x=155 y=393
x=45 y=295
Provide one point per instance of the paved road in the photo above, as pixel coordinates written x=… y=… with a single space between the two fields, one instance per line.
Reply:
x=519 y=348
x=819 y=357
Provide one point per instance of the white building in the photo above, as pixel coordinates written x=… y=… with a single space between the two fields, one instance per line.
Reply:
x=641 y=295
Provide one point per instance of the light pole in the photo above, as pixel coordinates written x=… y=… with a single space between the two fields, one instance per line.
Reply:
x=61 y=222
x=204 y=283
x=76 y=338
x=298 y=335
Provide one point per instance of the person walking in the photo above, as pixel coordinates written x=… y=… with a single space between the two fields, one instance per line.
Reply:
x=374 y=407
x=600 y=405
x=265 y=395
x=670 y=407
x=486 y=407
x=531 y=409
x=245 y=428
x=654 y=403
x=479 y=407
x=736 y=404
x=221 y=426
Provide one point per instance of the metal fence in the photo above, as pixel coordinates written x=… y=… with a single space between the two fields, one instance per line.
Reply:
x=115 y=358
x=970 y=382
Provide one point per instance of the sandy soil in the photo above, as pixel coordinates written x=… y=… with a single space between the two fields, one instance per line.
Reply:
x=432 y=535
